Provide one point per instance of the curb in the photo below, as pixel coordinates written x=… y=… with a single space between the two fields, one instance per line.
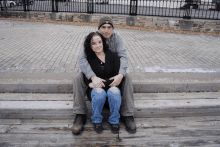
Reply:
x=142 y=82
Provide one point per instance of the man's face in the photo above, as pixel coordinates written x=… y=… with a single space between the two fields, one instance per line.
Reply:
x=106 y=30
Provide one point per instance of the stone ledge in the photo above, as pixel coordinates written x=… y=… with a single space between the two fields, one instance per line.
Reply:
x=142 y=82
x=164 y=24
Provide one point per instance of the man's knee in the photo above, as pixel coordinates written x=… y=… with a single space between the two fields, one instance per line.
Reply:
x=78 y=78
x=128 y=78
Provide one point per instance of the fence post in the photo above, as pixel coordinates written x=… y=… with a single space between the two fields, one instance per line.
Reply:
x=56 y=3
x=90 y=6
x=24 y=5
x=5 y=8
x=133 y=7
x=52 y=5
x=28 y=5
x=187 y=10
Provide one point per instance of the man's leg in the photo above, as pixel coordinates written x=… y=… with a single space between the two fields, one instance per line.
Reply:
x=79 y=103
x=127 y=104
x=79 y=94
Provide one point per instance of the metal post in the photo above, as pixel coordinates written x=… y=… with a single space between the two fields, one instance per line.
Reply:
x=52 y=5
x=56 y=3
x=24 y=5
x=5 y=8
x=28 y=5
x=133 y=7
x=90 y=6
x=187 y=10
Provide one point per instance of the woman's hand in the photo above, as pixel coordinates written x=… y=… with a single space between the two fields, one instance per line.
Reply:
x=97 y=82
x=117 y=80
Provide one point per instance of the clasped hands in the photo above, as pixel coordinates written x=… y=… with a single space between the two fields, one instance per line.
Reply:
x=98 y=82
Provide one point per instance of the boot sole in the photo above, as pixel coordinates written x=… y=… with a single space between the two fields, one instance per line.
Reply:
x=79 y=132
x=130 y=131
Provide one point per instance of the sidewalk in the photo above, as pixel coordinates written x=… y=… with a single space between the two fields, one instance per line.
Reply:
x=31 y=47
x=36 y=47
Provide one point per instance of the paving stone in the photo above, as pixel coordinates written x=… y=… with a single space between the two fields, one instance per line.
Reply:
x=41 y=47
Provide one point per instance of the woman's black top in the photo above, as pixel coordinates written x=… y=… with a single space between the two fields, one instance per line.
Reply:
x=104 y=70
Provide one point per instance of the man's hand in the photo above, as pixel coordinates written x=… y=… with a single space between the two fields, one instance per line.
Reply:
x=91 y=85
x=117 y=80
x=97 y=82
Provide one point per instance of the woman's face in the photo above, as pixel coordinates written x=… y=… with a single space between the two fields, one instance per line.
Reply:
x=96 y=44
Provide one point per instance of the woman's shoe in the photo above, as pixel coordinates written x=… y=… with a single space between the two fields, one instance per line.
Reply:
x=115 y=128
x=98 y=127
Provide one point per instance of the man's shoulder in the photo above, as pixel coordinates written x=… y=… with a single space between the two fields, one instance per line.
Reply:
x=116 y=37
x=116 y=34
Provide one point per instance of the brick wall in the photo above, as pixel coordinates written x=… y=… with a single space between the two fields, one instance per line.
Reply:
x=146 y=22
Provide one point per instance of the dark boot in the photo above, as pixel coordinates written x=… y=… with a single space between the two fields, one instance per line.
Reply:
x=78 y=124
x=115 y=128
x=98 y=127
x=129 y=123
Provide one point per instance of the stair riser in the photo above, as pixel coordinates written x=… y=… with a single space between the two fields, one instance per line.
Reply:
x=139 y=113
x=138 y=88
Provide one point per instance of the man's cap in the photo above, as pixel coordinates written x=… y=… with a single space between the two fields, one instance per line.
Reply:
x=105 y=20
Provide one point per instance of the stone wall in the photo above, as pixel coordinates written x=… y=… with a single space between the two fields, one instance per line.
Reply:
x=146 y=22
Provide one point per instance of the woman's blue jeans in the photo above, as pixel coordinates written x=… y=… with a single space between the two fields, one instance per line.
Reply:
x=98 y=96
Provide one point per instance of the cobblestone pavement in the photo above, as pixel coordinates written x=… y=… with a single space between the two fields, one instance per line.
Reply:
x=32 y=47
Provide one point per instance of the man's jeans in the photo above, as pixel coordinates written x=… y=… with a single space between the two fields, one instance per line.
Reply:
x=98 y=96
x=79 y=94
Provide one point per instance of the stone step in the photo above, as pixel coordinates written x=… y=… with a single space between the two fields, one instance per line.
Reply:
x=169 y=132
x=142 y=82
x=24 y=105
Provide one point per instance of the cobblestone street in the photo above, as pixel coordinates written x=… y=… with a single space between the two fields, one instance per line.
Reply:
x=32 y=47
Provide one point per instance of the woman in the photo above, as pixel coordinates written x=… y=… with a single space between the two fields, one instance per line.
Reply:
x=105 y=64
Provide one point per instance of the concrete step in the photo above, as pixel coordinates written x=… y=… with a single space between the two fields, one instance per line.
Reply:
x=154 y=132
x=24 y=105
x=142 y=82
x=168 y=132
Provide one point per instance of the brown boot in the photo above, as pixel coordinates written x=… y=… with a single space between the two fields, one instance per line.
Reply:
x=129 y=123
x=78 y=124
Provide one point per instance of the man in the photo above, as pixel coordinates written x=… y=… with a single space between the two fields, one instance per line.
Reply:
x=115 y=43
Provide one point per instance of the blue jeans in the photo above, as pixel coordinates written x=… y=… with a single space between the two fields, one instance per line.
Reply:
x=98 y=96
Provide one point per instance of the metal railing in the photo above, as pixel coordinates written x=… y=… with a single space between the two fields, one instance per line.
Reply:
x=198 y=9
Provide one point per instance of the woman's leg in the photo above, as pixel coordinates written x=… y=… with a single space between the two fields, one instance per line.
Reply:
x=98 y=96
x=114 y=98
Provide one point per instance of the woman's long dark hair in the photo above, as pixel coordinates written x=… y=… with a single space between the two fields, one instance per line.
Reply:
x=90 y=54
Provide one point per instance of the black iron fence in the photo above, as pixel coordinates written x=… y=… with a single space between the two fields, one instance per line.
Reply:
x=198 y=9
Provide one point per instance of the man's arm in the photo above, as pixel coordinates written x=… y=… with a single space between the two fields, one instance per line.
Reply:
x=121 y=51
x=122 y=55
x=84 y=64
x=87 y=70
